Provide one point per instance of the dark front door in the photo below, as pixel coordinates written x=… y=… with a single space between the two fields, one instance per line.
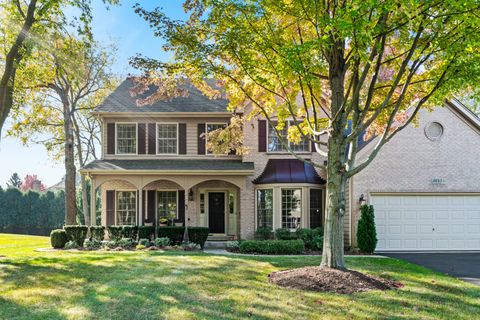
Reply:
x=216 y=212
x=315 y=208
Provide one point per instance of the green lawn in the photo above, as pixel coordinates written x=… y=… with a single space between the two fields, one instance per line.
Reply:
x=174 y=285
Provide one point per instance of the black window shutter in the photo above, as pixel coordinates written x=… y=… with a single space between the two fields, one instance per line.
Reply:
x=110 y=207
x=182 y=138
x=142 y=143
x=151 y=205
x=201 y=138
x=152 y=136
x=142 y=214
x=110 y=138
x=262 y=135
x=312 y=148
x=181 y=205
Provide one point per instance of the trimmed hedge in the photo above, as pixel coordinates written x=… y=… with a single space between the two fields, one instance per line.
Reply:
x=115 y=233
x=263 y=234
x=58 y=238
x=97 y=232
x=311 y=237
x=76 y=234
x=195 y=234
x=272 y=246
x=130 y=232
x=284 y=234
x=146 y=232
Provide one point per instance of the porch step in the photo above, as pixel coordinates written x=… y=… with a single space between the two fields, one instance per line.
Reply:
x=215 y=245
x=219 y=238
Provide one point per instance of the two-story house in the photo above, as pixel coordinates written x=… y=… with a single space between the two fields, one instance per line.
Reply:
x=155 y=164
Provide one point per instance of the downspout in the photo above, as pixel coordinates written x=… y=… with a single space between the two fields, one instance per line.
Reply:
x=350 y=211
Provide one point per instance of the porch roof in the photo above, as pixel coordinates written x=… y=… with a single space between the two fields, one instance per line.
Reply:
x=168 y=165
x=288 y=171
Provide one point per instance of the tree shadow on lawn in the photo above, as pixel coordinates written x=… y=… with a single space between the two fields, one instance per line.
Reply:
x=189 y=285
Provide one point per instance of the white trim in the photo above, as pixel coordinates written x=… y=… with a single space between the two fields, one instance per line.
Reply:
x=157 y=138
x=256 y=206
x=208 y=153
x=116 y=138
x=116 y=204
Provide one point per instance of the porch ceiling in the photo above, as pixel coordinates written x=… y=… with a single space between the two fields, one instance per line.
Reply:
x=169 y=166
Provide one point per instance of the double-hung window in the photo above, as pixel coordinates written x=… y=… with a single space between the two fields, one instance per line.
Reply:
x=126 y=207
x=167 y=204
x=212 y=127
x=291 y=208
x=276 y=143
x=126 y=138
x=265 y=208
x=167 y=139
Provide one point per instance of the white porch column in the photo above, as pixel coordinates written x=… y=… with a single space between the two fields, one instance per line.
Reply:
x=93 y=202
x=140 y=218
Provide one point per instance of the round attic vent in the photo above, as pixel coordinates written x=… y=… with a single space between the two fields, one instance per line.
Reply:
x=433 y=131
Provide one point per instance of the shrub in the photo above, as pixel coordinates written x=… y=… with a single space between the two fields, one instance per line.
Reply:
x=233 y=246
x=71 y=245
x=129 y=232
x=198 y=235
x=140 y=247
x=191 y=246
x=97 y=232
x=58 y=238
x=126 y=243
x=92 y=244
x=317 y=243
x=272 y=246
x=175 y=234
x=162 y=242
x=366 y=231
x=76 y=233
x=110 y=244
x=146 y=232
x=115 y=232
x=308 y=236
x=144 y=242
x=284 y=234
x=263 y=234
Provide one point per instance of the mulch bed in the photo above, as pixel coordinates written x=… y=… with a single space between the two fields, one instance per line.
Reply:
x=330 y=280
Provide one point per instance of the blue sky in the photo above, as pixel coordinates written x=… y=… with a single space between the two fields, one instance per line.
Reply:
x=131 y=34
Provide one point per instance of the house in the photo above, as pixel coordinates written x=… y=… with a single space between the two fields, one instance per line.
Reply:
x=423 y=184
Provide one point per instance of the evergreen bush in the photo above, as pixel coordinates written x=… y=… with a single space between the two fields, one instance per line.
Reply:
x=97 y=232
x=263 y=234
x=76 y=233
x=58 y=238
x=115 y=233
x=272 y=246
x=366 y=231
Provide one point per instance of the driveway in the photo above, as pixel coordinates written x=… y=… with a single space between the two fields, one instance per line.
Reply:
x=465 y=266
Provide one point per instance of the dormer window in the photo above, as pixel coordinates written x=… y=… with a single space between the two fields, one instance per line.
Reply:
x=167 y=138
x=126 y=138
x=275 y=143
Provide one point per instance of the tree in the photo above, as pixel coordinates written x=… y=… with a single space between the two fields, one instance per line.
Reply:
x=366 y=231
x=24 y=25
x=14 y=181
x=31 y=182
x=75 y=78
x=327 y=65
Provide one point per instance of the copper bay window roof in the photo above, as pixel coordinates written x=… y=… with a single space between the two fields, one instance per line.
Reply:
x=288 y=171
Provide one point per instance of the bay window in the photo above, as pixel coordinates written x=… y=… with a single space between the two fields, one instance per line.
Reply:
x=265 y=208
x=126 y=208
x=275 y=141
x=126 y=138
x=291 y=208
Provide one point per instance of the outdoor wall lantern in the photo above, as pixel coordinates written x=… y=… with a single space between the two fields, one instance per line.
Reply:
x=190 y=195
x=362 y=200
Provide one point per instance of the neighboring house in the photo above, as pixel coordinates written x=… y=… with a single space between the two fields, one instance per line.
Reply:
x=424 y=184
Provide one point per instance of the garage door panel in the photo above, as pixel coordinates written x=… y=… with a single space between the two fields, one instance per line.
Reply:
x=427 y=222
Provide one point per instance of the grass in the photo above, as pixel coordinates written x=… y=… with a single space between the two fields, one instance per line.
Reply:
x=174 y=285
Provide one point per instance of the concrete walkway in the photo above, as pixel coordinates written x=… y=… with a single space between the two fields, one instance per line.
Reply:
x=225 y=252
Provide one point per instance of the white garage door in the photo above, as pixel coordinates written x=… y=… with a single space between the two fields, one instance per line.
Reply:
x=427 y=222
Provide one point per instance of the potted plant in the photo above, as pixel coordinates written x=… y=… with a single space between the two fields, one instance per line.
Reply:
x=163 y=222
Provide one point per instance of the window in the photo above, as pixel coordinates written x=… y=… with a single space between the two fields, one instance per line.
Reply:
x=231 y=203
x=265 y=208
x=167 y=204
x=202 y=203
x=126 y=207
x=433 y=131
x=212 y=127
x=275 y=144
x=291 y=208
x=167 y=138
x=126 y=138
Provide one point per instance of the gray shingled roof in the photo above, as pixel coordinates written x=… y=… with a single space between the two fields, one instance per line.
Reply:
x=120 y=100
x=169 y=165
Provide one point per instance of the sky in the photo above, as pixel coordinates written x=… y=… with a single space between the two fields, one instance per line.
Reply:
x=119 y=25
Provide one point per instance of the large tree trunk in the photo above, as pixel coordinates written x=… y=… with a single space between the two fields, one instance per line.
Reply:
x=85 y=204
x=13 y=58
x=70 y=170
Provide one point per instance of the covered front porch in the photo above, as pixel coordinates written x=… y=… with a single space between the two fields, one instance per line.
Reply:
x=211 y=198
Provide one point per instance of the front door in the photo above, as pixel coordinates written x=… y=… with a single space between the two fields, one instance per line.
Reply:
x=216 y=212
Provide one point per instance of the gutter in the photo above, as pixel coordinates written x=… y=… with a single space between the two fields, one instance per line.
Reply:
x=169 y=172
